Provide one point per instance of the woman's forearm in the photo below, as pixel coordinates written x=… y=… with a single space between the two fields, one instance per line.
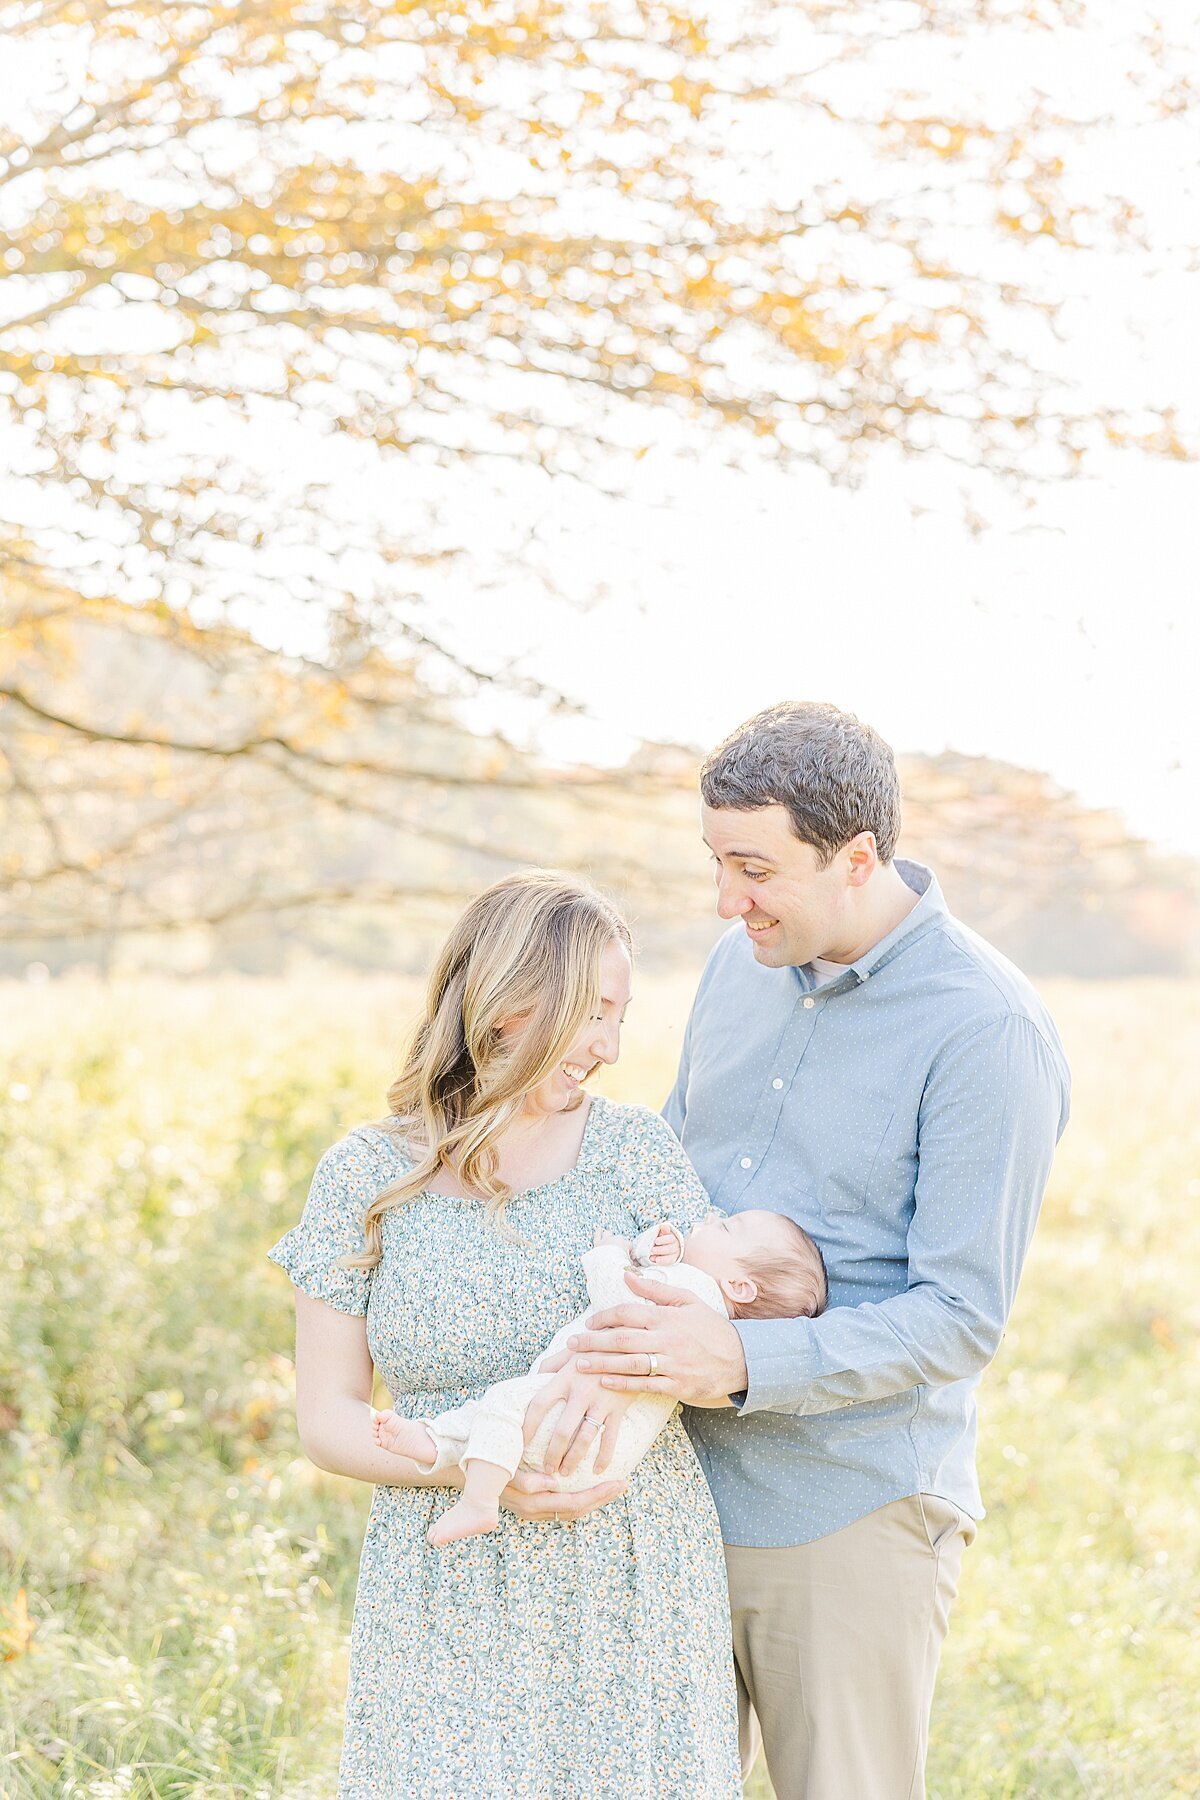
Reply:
x=340 y=1441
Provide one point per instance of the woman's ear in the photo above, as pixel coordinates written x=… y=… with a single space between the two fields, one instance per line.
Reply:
x=509 y=1027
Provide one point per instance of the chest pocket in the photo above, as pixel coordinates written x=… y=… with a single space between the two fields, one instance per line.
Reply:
x=854 y=1151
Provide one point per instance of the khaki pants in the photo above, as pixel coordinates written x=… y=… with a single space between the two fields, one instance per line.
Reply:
x=837 y=1645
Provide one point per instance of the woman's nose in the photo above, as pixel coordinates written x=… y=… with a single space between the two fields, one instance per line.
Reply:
x=607 y=1042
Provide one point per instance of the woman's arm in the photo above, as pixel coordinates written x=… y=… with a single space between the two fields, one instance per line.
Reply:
x=334 y=1378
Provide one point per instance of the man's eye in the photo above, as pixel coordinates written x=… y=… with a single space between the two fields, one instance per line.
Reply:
x=755 y=874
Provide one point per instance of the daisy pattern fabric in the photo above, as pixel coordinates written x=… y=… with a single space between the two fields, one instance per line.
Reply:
x=584 y=1661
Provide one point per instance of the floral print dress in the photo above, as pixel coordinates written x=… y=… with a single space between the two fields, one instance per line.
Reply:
x=576 y=1661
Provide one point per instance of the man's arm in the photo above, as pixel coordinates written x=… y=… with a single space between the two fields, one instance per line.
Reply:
x=675 y=1110
x=993 y=1110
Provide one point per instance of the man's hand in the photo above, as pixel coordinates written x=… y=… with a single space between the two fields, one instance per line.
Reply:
x=697 y=1355
x=532 y=1496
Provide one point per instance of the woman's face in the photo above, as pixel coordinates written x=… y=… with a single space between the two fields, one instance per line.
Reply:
x=598 y=1041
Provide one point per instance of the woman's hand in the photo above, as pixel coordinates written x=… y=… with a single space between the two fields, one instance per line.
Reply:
x=588 y=1411
x=536 y=1497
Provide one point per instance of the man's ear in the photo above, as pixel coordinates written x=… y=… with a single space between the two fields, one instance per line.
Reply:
x=740 y=1289
x=863 y=858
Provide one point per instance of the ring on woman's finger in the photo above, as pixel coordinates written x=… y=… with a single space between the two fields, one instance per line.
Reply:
x=652 y=1360
x=590 y=1419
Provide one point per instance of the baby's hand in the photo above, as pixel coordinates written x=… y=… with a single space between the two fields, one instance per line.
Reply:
x=666 y=1246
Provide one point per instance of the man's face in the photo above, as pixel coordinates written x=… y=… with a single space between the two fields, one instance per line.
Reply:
x=791 y=908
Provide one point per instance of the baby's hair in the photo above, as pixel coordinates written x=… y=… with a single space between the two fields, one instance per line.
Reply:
x=790 y=1277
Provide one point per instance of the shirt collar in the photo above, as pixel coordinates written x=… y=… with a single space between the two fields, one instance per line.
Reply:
x=929 y=909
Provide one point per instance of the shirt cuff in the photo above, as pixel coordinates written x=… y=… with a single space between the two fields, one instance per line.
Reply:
x=781 y=1362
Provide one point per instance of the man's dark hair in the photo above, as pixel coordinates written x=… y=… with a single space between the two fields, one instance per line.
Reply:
x=834 y=774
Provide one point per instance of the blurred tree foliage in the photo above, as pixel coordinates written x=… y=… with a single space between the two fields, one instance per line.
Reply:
x=217 y=783
x=274 y=277
x=259 y=810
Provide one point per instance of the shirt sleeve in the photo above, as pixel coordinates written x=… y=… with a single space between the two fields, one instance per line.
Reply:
x=348 y=1177
x=994 y=1107
x=656 y=1175
x=675 y=1110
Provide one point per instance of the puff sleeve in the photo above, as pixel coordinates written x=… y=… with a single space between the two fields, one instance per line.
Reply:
x=348 y=1177
x=658 y=1179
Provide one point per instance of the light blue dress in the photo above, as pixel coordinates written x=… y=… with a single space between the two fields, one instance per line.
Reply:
x=584 y=1661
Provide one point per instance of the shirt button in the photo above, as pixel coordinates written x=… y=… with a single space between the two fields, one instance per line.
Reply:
x=745 y=1162
x=809 y=1001
x=777 y=1083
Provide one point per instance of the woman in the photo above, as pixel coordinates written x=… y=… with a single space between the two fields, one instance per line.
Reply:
x=580 y=1651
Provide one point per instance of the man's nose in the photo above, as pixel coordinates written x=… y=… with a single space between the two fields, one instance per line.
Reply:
x=731 y=904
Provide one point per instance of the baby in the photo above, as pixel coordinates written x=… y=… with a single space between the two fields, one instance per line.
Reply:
x=753 y=1265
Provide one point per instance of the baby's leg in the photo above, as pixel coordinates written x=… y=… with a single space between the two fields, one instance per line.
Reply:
x=478 y=1511
x=404 y=1437
x=489 y=1457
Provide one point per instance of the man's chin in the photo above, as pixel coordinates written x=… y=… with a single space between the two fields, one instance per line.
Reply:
x=771 y=956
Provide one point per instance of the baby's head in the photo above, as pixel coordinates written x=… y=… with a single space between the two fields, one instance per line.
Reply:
x=765 y=1266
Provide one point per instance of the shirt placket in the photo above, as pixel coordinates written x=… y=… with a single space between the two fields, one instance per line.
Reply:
x=780 y=1074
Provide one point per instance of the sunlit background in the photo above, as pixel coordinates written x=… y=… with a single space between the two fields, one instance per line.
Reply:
x=424 y=430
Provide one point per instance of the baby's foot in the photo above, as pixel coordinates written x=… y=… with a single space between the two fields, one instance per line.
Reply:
x=466 y=1518
x=404 y=1437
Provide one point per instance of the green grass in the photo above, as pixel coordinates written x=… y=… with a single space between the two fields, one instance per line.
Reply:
x=189 y=1577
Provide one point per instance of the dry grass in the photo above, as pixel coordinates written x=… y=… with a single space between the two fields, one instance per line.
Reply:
x=188 y=1577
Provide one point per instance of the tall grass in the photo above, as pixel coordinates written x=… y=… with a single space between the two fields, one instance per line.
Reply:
x=176 y=1580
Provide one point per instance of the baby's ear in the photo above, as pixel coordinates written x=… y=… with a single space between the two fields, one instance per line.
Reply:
x=739 y=1289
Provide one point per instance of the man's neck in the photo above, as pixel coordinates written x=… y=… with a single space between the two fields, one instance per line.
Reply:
x=888 y=900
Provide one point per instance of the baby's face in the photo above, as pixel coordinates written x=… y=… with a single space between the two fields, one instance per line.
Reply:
x=718 y=1245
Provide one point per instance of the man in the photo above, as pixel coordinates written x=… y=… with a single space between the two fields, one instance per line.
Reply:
x=857 y=1059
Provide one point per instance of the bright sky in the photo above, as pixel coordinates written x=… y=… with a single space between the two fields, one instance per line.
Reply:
x=1071 y=646
x=1065 y=637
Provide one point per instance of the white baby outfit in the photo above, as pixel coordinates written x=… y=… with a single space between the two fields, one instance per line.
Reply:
x=491 y=1428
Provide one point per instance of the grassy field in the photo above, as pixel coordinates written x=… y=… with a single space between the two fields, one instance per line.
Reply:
x=176 y=1581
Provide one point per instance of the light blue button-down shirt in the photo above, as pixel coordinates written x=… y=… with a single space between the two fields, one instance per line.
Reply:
x=906 y=1115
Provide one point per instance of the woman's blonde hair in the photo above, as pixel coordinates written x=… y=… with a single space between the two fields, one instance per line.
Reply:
x=528 y=948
